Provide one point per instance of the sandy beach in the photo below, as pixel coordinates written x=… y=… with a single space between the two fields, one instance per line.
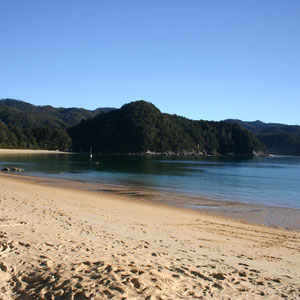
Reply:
x=29 y=151
x=65 y=243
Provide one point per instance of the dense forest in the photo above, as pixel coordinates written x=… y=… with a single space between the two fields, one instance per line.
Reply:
x=139 y=127
x=23 y=125
x=278 y=138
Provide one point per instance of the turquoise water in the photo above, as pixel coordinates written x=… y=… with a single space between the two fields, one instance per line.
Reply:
x=271 y=181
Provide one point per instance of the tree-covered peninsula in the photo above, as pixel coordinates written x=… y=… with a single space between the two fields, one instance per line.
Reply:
x=139 y=127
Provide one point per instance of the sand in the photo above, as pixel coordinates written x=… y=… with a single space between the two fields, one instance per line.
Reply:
x=29 y=151
x=64 y=243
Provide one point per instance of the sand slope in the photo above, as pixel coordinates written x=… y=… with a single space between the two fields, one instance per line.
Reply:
x=60 y=243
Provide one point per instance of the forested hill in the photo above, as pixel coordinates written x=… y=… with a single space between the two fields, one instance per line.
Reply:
x=139 y=127
x=278 y=138
x=23 y=125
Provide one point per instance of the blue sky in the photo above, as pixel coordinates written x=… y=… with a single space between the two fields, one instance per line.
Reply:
x=211 y=60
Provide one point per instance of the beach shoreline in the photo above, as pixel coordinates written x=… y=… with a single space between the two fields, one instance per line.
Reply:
x=66 y=242
x=30 y=151
x=271 y=216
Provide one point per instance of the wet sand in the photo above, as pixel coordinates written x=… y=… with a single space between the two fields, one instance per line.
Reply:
x=58 y=242
x=288 y=218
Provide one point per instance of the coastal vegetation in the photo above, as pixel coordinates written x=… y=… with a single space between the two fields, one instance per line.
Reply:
x=26 y=126
x=278 y=138
x=138 y=127
x=50 y=137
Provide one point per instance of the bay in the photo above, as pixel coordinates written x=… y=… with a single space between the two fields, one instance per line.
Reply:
x=270 y=181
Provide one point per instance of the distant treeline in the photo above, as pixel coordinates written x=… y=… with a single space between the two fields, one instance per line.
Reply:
x=44 y=137
x=23 y=125
x=278 y=138
x=139 y=127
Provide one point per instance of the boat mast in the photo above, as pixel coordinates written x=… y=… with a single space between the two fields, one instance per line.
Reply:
x=91 y=152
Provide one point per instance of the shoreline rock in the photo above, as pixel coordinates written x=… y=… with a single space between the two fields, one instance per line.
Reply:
x=12 y=169
x=185 y=154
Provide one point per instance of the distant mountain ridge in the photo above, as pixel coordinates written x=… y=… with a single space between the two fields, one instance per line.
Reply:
x=62 y=116
x=278 y=138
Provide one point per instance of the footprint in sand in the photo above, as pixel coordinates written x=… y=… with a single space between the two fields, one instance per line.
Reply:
x=6 y=247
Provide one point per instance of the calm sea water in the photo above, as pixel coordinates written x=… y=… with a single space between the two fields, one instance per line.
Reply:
x=271 y=181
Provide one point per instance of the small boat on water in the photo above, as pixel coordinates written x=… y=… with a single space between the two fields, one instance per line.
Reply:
x=91 y=158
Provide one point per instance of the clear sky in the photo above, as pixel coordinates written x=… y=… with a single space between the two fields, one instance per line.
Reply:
x=203 y=59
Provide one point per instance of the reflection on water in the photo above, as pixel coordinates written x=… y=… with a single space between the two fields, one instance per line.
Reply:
x=270 y=181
